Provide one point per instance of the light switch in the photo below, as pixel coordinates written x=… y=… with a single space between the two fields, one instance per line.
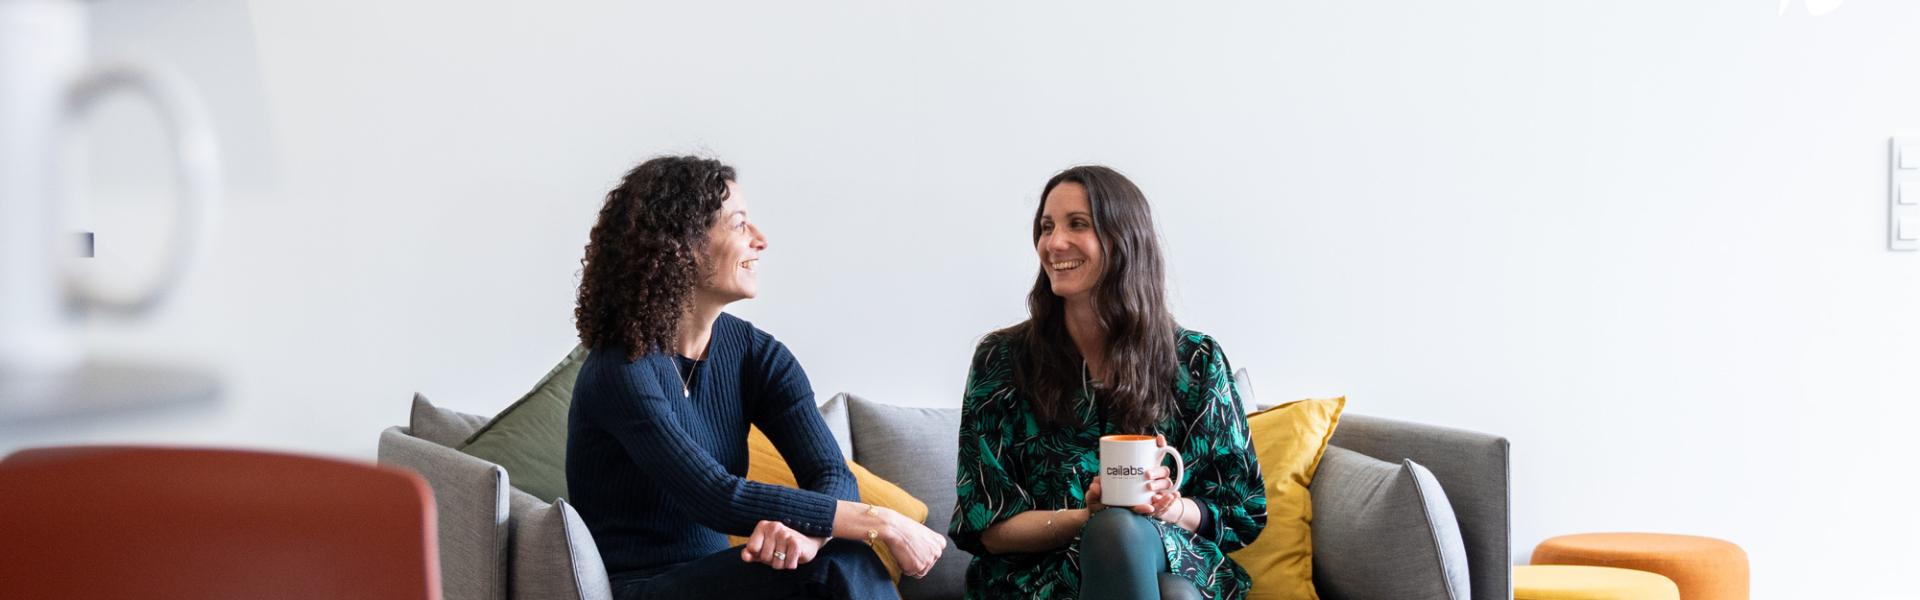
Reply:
x=1909 y=229
x=1909 y=193
x=1910 y=157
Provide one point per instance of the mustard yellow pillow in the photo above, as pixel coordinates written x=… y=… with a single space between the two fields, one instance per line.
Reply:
x=1289 y=440
x=765 y=465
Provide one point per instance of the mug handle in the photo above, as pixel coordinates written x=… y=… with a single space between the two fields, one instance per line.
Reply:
x=1179 y=464
x=196 y=167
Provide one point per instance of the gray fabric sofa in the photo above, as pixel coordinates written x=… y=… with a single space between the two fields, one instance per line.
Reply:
x=1381 y=529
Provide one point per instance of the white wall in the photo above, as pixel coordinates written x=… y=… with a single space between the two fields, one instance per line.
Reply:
x=1644 y=240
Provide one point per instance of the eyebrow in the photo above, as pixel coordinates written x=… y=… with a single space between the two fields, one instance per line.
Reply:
x=1071 y=214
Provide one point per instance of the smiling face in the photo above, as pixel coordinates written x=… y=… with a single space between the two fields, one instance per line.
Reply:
x=1069 y=250
x=733 y=251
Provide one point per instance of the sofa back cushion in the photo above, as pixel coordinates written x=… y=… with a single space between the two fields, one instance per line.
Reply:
x=834 y=412
x=443 y=426
x=917 y=449
x=1384 y=530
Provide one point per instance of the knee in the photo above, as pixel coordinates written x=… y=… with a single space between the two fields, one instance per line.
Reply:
x=1175 y=587
x=1117 y=526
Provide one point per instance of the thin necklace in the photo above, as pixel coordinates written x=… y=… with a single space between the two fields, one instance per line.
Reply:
x=686 y=380
x=1087 y=379
x=1086 y=387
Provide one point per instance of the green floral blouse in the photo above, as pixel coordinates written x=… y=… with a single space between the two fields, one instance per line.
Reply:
x=1010 y=464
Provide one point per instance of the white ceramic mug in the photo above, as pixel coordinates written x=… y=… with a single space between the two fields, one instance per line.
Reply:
x=1124 y=461
x=46 y=84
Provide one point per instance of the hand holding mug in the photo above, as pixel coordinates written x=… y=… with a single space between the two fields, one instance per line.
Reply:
x=1092 y=496
x=1131 y=474
x=1160 y=483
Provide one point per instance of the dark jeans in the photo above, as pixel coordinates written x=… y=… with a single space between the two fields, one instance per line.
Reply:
x=843 y=570
x=1121 y=558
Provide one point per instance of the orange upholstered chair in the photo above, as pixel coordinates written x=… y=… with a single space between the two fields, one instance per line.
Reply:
x=123 y=522
x=1704 y=568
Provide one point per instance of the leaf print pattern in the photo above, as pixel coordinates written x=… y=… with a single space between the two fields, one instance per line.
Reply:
x=1009 y=465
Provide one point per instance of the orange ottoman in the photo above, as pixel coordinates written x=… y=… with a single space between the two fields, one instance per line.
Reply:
x=1578 y=582
x=1704 y=568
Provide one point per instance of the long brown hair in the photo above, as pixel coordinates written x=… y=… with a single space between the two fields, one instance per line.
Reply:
x=644 y=254
x=1130 y=302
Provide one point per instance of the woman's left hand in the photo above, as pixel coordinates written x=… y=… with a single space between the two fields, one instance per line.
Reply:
x=1159 y=481
x=778 y=546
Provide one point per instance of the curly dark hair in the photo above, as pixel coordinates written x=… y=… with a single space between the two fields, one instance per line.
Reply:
x=643 y=257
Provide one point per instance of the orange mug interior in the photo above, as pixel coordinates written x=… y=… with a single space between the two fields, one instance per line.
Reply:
x=1126 y=438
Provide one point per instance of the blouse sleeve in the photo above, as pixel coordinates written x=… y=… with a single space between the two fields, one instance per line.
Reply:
x=986 y=492
x=1226 y=476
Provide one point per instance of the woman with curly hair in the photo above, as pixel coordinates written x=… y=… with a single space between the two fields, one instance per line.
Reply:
x=657 y=434
x=1101 y=355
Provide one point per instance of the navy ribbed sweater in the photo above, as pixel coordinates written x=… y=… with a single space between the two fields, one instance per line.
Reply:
x=659 y=477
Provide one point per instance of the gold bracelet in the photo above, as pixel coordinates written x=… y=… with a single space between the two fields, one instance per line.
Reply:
x=873 y=534
x=1051 y=536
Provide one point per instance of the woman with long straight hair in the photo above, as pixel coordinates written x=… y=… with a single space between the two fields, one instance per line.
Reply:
x=1101 y=355
x=657 y=434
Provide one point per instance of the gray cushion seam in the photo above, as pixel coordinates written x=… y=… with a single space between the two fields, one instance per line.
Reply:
x=1433 y=533
x=502 y=536
x=573 y=560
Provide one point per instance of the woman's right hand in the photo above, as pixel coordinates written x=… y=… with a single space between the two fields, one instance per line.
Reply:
x=914 y=546
x=1092 y=497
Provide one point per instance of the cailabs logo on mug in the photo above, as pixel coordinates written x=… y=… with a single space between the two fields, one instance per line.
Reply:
x=1126 y=471
x=1124 y=460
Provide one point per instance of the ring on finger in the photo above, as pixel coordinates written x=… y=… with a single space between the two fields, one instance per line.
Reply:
x=779 y=555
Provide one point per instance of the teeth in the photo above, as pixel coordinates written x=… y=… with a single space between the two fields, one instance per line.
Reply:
x=1068 y=265
x=748 y=264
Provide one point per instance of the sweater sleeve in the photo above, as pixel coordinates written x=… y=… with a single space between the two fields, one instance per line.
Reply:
x=645 y=425
x=785 y=411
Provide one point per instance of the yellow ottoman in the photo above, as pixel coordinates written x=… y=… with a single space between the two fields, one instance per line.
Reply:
x=1703 y=567
x=1571 y=582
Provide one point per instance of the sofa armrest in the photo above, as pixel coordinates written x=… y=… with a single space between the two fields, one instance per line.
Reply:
x=470 y=496
x=1473 y=469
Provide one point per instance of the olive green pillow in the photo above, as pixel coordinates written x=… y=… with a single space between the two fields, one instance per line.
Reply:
x=529 y=438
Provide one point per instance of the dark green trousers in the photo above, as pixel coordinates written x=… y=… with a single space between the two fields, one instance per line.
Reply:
x=1121 y=558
